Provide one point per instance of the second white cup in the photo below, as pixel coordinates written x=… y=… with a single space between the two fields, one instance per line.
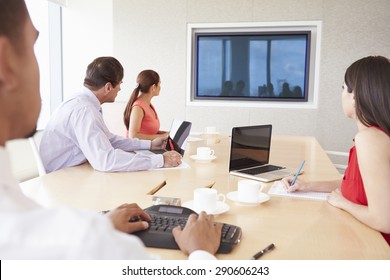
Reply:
x=205 y=199
x=210 y=129
x=248 y=191
x=204 y=152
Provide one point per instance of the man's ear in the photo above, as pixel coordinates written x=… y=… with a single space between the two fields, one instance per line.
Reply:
x=8 y=70
x=108 y=87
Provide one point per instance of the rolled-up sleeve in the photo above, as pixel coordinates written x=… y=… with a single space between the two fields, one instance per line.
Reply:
x=128 y=144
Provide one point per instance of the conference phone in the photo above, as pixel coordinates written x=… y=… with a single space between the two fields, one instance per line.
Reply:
x=166 y=217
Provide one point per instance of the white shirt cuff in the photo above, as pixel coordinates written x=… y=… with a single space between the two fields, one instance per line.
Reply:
x=157 y=161
x=201 y=255
x=145 y=144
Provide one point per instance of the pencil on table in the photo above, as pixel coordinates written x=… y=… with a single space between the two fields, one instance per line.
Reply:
x=157 y=188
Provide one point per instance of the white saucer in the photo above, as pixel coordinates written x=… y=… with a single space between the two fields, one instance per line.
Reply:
x=221 y=207
x=196 y=158
x=195 y=133
x=262 y=198
x=194 y=139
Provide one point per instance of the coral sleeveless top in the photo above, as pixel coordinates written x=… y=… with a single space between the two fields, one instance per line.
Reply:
x=352 y=186
x=150 y=123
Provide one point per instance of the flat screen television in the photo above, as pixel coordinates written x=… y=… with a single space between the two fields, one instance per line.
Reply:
x=252 y=65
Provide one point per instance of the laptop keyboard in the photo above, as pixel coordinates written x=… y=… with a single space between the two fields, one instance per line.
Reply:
x=262 y=169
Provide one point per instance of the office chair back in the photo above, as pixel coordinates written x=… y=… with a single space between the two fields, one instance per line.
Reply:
x=34 y=146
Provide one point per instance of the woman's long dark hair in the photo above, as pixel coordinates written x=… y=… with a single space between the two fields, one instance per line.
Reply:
x=145 y=80
x=369 y=79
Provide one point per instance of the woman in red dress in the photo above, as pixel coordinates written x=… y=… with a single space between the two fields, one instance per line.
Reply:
x=364 y=191
x=140 y=116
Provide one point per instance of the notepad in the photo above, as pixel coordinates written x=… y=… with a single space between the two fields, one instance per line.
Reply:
x=279 y=190
x=182 y=165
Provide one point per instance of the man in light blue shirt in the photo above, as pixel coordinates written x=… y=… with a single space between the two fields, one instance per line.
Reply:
x=76 y=132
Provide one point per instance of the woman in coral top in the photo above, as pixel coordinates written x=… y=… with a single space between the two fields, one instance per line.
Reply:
x=364 y=191
x=140 y=117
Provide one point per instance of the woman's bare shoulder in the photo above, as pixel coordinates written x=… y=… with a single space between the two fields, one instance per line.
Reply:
x=373 y=140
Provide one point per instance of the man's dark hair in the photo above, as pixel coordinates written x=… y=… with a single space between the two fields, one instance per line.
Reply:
x=103 y=70
x=13 y=15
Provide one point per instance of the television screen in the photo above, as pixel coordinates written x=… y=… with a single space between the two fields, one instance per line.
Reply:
x=269 y=66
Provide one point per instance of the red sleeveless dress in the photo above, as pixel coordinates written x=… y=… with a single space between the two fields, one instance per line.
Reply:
x=352 y=186
x=150 y=123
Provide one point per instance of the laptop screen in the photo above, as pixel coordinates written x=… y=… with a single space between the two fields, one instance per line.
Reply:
x=250 y=146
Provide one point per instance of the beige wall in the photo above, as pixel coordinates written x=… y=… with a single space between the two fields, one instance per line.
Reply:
x=86 y=34
x=152 y=34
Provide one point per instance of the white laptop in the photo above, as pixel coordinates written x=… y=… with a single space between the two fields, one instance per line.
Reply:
x=249 y=154
x=177 y=140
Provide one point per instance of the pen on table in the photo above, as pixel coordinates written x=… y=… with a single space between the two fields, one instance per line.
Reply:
x=210 y=186
x=262 y=252
x=299 y=171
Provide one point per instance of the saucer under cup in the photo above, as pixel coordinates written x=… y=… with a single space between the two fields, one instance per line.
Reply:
x=221 y=207
x=262 y=197
x=202 y=160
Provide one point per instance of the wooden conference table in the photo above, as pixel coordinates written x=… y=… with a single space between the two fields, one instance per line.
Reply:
x=300 y=229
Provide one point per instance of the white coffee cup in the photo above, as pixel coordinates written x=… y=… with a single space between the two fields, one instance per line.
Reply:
x=210 y=129
x=204 y=152
x=248 y=191
x=205 y=199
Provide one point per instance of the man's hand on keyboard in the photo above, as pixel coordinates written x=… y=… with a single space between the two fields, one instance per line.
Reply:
x=200 y=233
x=121 y=216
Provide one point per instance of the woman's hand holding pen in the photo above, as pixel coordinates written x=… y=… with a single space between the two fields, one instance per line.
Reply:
x=299 y=184
x=291 y=183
